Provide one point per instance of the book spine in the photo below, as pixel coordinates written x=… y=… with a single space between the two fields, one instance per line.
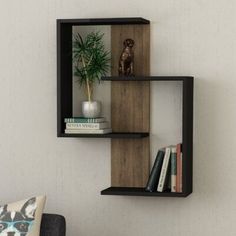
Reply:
x=181 y=173
x=155 y=172
x=83 y=120
x=164 y=169
x=179 y=169
x=168 y=185
x=173 y=169
x=86 y=125
x=167 y=180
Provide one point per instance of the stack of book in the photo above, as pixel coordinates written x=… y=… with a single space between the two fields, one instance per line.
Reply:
x=81 y=125
x=166 y=173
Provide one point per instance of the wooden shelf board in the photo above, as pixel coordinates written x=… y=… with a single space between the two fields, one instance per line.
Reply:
x=131 y=191
x=147 y=78
x=110 y=135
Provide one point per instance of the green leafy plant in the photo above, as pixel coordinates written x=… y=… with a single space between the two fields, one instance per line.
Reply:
x=91 y=60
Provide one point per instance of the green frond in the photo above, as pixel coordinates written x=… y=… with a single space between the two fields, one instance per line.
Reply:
x=91 y=51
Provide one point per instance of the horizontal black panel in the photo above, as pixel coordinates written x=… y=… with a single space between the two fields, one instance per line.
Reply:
x=148 y=78
x=105 y=21
x=110 y=135
x=132 y=191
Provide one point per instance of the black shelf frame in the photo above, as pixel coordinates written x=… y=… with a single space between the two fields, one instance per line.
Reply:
x=109 y=135
x=148 y=78
x=64 y=102
x=105 y=21
x=128 y=191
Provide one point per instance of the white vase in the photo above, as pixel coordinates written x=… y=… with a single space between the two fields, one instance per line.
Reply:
x=91 y=109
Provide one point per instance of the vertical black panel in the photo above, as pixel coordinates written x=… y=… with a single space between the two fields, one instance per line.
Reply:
x=187 y=147
x=64 y=74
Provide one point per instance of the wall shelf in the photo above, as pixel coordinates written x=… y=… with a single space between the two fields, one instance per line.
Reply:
x=104 y=21
x=130 y=144
x=129 y=191
x=147 y=78
x=110 y=135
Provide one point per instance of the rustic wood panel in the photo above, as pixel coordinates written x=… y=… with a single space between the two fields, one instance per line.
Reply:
x=130 y=102
x=130 y=106
x=141 y=35
x=130 y=162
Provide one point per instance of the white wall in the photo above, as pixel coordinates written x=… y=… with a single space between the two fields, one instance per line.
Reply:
x=188 y=37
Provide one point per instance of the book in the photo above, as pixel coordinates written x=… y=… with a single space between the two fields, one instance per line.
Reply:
x=164 y=170
x=167 y=186
x=84 y=120
x=167 y=182
x=173 y=162
x=181 y=173
x=87 y=131
x=155 y=172
x=86 y=126
x=179 y=168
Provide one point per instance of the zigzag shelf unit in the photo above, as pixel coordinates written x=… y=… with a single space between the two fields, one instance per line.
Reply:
x=130 y=141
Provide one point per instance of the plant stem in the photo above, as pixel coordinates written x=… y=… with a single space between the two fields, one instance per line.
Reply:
x=87 y=79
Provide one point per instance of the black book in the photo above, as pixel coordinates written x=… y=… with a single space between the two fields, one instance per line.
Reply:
x=167 y=185
x=155 y=173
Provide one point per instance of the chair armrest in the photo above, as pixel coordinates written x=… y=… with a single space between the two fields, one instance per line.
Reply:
x=53 y=225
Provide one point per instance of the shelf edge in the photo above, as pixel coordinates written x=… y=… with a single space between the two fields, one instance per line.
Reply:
x=117 y=191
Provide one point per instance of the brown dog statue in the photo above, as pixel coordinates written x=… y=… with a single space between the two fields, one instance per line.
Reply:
x=126 y=62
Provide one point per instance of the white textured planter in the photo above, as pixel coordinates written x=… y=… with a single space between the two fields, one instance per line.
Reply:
x=91 y=109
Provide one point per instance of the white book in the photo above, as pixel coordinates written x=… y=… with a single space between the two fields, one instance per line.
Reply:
x=164 y=169
x=88 y=126
x=87 y=131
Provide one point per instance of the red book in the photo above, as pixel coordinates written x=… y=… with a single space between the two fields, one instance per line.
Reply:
x=179 y=169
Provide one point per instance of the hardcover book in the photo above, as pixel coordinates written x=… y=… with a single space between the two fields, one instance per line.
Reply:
x=173 y=169
x=155 y=172
x=164 y=170
x=87 y=131
x=181 y=173
x=179 y=168
x=84 y=120
x=88 y=126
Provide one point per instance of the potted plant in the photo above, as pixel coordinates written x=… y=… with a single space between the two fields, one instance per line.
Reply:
x=91 y=61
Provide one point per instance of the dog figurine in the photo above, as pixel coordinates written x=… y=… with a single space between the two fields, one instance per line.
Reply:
x=126 y=62
x=17 y=223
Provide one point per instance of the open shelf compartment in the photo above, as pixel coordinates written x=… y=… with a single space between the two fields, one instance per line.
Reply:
x=65 y=72
x=187 y=139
